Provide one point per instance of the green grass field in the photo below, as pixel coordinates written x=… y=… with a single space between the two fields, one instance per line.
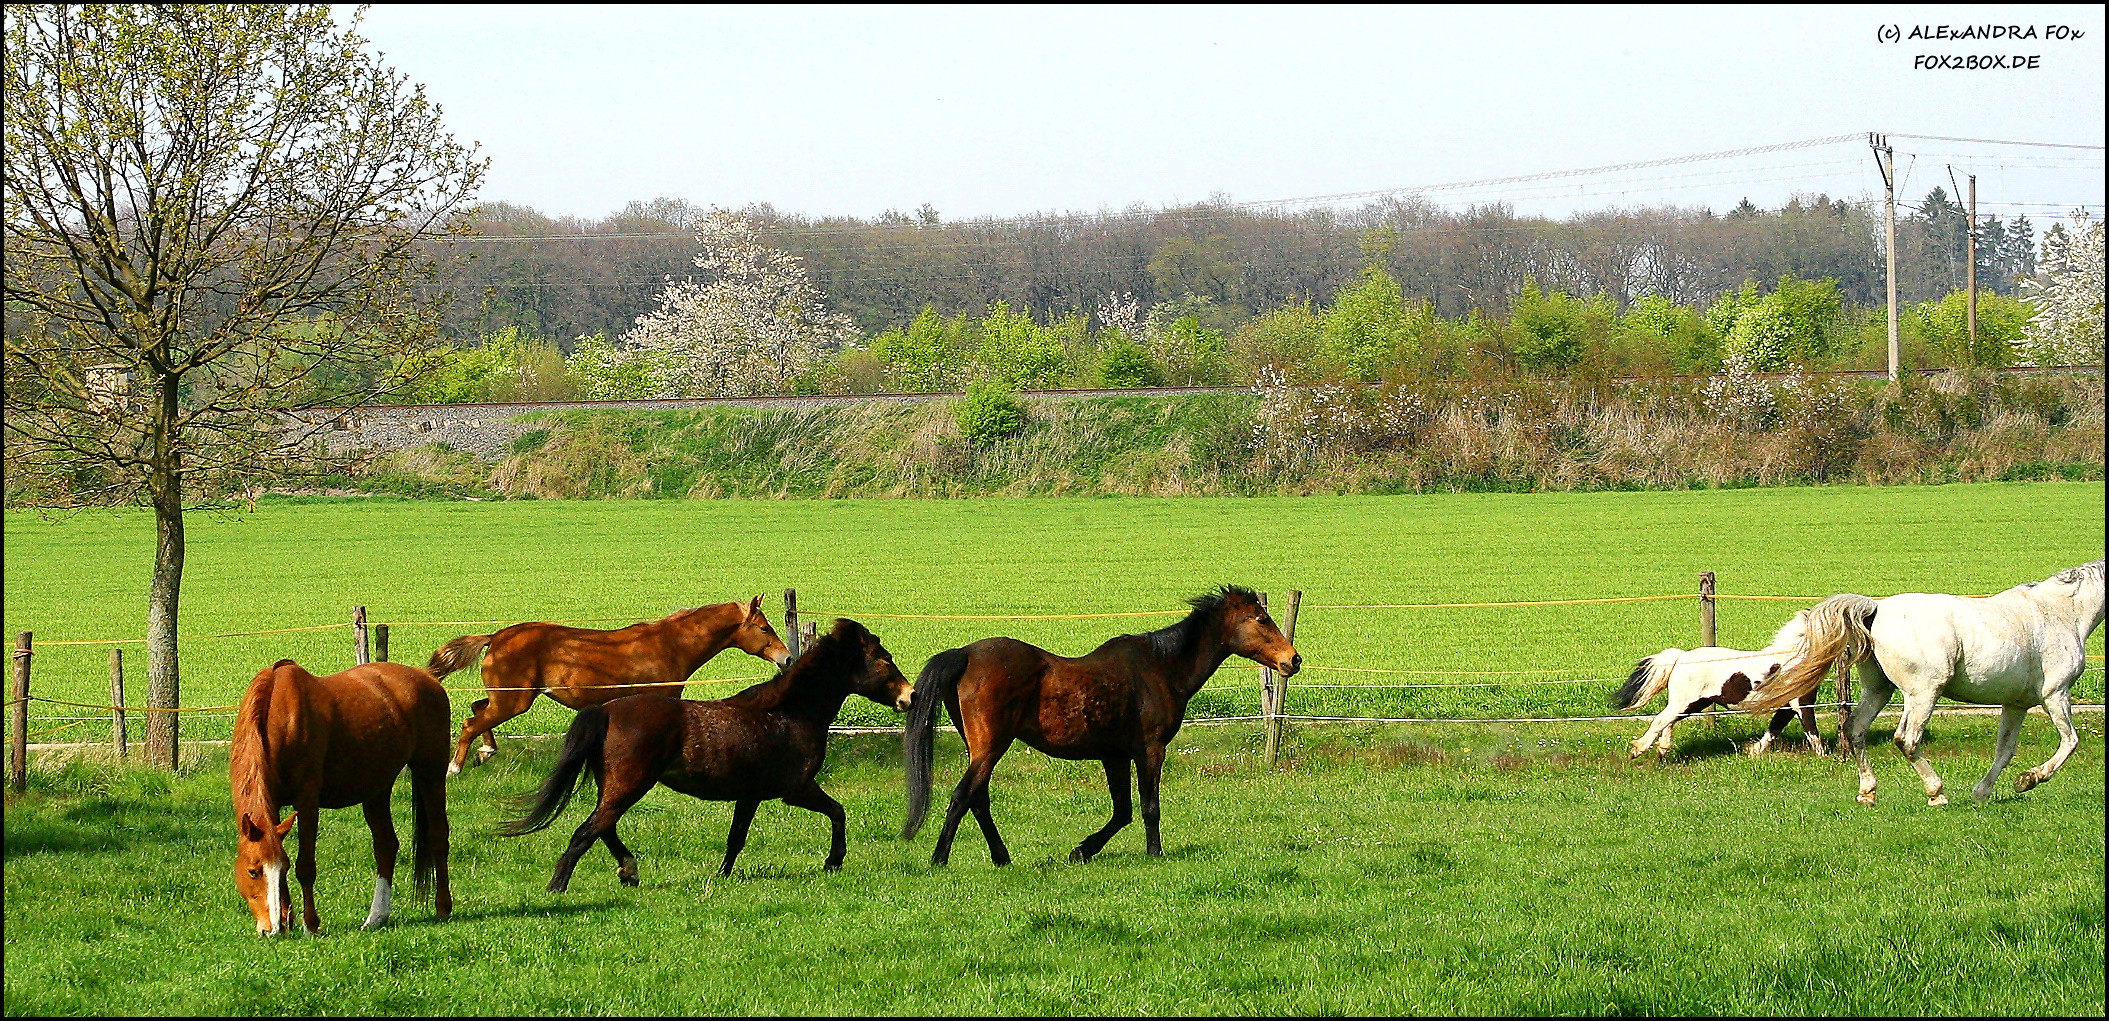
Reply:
x=1507 y=868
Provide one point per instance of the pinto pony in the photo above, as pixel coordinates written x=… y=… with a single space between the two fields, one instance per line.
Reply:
x=765 y=742
x=2019 y=648
x=332 y=742
x=1697 y=678
x=582 y=667
x=1121 y=704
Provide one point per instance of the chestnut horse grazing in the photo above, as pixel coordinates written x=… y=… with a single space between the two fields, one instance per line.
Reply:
x=765 y=742
x=580 y=667
x=332 y=742
x=1122 y=703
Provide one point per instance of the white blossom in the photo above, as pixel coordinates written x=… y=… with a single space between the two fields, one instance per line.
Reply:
x=2067 y=293
x=754 y=327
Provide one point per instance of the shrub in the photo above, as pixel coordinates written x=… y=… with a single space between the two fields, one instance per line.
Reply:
x=1678 y=331
x=1369 y=326
x=990 y=411
x=1553 y=328
x=2002 y=327
x=1018 y=351
x=1124 y=363
x=1288 y=338
x=602 y=372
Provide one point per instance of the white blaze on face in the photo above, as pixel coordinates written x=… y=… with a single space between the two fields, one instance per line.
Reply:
x=274 y=893
x=378 y=915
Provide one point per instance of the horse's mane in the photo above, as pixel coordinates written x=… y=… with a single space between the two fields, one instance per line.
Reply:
x=1177 y=640
x=2072 y=575
x=247 y=770
x=839 y=651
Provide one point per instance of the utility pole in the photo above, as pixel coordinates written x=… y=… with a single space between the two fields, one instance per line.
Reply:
x=1973 y=265
x=1886 y=161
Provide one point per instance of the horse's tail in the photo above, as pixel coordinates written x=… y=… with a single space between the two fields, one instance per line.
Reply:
x=582 y=753
x=1835 y=633
x=428 y=833
x=933 y=687
x=1649 y=677
x=456 y=654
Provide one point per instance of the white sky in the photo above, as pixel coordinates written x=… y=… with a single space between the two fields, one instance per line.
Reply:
x=1004 y=111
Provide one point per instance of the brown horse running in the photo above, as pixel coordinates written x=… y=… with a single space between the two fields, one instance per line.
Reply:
x=332 y=742
x=580 y=667
x=1120 y=704
x=765 y=742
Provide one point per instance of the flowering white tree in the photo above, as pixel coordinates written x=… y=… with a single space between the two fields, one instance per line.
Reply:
x=754 y=327
x=2067 y=293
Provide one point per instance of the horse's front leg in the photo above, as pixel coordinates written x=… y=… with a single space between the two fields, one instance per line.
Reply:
x=304 y=870
x=742 y=818
x=1659 y=728
x=815 y=799
x=1805 y=706
x=1148 y=769
x=2059 y=705
x=2010 y=719
x=385 y=847
x=1763 y=744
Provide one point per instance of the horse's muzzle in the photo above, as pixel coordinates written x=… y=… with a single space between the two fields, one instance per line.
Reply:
x=1289 y=667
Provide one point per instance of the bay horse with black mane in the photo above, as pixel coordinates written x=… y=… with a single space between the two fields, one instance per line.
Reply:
x=1121 y=704
x=313 y=742
x=581 y=667
x=764 y=743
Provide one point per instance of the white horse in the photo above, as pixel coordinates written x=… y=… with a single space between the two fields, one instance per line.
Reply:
x=1698 y=678
x=2020 y=648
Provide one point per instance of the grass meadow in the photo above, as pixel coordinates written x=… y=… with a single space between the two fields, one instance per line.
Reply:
x=1427 y=868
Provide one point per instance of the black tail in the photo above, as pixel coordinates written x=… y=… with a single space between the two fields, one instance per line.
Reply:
x=428 y=831
x=933 y=687
x=582 y=753
x=1622 y=699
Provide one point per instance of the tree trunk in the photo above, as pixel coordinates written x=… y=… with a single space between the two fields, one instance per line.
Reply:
x=165 y=485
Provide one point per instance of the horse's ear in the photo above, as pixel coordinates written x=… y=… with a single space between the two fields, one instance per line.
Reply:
x=286 y=826
x=251 y=830
x=754 y=607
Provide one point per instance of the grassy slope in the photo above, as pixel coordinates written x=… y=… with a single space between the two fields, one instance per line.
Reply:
x=308 y=563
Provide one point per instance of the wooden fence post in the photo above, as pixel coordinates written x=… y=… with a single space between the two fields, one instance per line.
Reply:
x=1268 y=701
x=359 y=647
x=18 y=721
x=791 y=636
x=117 y=734
x=380 y=642
x=1706 y=626
x=1281 y=684
x=1706 y=610
x=1845 y=709
x=808 y=633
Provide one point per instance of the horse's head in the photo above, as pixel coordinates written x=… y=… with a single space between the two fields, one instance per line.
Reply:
x=877 y=678
x=1249 y=632
x=756 y=638
x=260 y=868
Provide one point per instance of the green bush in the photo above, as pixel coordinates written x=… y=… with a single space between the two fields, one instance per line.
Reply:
x=1124 y=363
x=1020 y=352
x=600 y=372
x=990 y=411
x=1369 y=326
x=1553 y=328
x=2002 y=326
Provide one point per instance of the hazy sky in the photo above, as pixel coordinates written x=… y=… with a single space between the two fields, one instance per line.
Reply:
x=1000 y=111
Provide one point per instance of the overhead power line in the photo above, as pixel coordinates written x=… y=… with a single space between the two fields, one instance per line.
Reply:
x=1993 y=141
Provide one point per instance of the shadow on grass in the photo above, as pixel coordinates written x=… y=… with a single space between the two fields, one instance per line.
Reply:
x=516 y=911
x=97 y=827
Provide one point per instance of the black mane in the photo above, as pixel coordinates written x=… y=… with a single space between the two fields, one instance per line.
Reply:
x=1178 y=639
x=836 y=654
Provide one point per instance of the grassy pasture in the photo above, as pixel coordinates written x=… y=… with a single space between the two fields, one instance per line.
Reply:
x=303 y=563
x=1435 y=869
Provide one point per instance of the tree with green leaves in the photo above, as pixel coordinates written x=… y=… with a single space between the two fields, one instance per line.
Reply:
x=210 y=211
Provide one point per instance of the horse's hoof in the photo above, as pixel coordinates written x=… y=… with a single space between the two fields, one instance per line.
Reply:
x=1980 y=794
x=627 y=876
x=1937 y=801
x=453 y=769
x=483 y=755
x=1754 y=750
x=559 y=885
x=2026 y=781
x=833 y=866
x=1079 y=856
x=374 y=923
x=1000 y=860
x=1867 y=797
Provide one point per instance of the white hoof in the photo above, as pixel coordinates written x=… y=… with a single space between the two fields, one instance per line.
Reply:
x=383 y=894
x=453 y=768
x=1937 y=801
x=1867 y=797
x=483 y=755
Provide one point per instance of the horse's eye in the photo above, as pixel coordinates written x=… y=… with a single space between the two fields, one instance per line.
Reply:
x=256 y=873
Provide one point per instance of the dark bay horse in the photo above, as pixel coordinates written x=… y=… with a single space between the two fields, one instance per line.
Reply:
x=765 y=742
x=332 y=742
x=1120 y=704
x=580 y=667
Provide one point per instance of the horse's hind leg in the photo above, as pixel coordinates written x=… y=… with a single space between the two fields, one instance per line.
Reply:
x=1780 y=719
x=485 y=714
x=625 y=862
x=1875 y=691
x=2010 y=720
x=742 y=818
x=818 y=800
x=385 y=846
x=620 y=789
x=1660 y=728
x=998 y=853
x=1806 y=708
x=304 y=869
x=1123 y=812
x=1911 y=740
x=2059 y=705
x=972 y=786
